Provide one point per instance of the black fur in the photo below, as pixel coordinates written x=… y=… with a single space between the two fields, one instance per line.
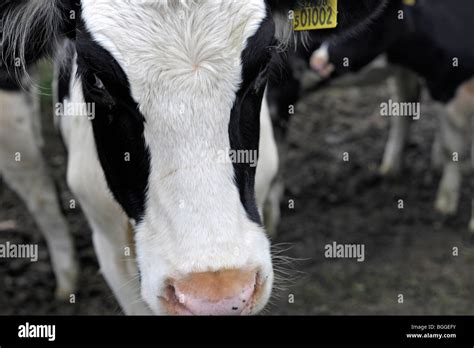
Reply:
x=8 y=83
x=426 y=41
x=244 y=127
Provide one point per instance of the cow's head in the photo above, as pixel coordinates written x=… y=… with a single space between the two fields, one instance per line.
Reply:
x=178 y=84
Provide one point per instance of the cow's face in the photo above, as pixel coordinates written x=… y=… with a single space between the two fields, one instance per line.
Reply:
x=178 y=87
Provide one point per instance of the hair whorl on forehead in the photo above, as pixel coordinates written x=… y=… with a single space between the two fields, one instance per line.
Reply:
x=174 y=3
x=29 y=31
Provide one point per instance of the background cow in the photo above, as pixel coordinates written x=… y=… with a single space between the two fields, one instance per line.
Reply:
x=23 y=167
x=415 y=47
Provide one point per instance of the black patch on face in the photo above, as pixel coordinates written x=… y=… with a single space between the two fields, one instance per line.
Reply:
x=244 y=126
x=118 y=124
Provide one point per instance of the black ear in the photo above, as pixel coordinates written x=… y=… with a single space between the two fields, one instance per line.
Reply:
x=31 y=29
x=352 y=15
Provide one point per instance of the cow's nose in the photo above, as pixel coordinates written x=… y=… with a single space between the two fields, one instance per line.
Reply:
x=228 y=292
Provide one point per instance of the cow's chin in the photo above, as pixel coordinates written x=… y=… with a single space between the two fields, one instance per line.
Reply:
x=204 y=276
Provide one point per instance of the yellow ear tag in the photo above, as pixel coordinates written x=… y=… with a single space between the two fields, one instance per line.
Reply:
x=320 y=15
x=409 y=2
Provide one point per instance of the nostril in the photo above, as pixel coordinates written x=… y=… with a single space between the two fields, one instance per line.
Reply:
x=170 y=294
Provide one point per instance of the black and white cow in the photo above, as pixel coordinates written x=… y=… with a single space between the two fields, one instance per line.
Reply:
x=164 y=88
x=23 y=168
x=431 y=39
x=427 y=39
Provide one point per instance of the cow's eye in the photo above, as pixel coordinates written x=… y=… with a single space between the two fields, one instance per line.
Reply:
x=98 y=83
x=98 y=91
x=262 y=78
x=94 y=83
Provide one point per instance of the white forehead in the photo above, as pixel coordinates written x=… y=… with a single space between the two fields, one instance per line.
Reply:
x=186 y=45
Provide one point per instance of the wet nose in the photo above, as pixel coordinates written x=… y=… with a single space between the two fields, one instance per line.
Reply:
x=228 y=292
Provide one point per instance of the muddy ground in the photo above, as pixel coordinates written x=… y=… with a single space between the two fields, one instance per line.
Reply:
x=408 y=251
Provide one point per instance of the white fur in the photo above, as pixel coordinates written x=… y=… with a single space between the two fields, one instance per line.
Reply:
x=184 y=69
x=40 y=17
x=20 y=139
x=266 y=189
x=456 y=135
x=405 y=88
x=106 y=218
x=268 y=164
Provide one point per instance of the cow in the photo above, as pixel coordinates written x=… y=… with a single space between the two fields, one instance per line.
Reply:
x=28 y=176
x=421 y=39
x=418 y=37
x=163 y=88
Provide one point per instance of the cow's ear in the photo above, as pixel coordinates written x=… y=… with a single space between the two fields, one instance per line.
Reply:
x=352 y=15
x=30 y=29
